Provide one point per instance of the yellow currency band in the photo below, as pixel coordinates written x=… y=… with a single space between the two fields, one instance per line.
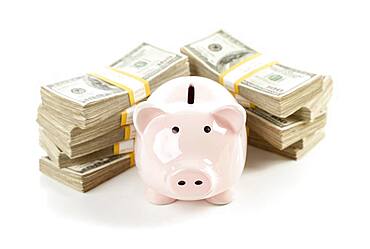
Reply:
x=119 y=85
x=116 y=149
x=132 y=159
x=222 y=75
x=123 y=118
x=145 y=82
x=237 y=83
x=127 y=131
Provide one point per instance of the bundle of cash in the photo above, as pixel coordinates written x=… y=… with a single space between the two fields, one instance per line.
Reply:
x=294 y=151
x=284 y=105
x=86 y=122
x=72 y=134
x=62 y=160
x=81 y=147
x=89 y=99
x=84 y=177
x=282 y=132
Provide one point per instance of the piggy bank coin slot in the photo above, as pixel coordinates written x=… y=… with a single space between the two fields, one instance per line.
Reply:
x=191 y=93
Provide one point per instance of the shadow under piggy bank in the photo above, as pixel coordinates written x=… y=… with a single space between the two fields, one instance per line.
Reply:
x=117 y=202
x=121 y=201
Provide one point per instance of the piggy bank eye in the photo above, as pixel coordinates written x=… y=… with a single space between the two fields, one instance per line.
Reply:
x=207 y=129
x=175 y=129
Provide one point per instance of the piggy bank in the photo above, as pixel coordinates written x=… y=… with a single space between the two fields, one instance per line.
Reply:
x=190 y=141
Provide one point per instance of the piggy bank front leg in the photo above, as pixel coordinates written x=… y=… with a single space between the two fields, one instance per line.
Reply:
x=222 y=198
x=156 y=198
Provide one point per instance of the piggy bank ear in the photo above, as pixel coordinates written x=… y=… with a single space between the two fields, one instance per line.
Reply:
x=143 y=114
x=231 y=117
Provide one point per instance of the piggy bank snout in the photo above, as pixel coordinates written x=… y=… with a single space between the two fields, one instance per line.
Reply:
x=191 y=183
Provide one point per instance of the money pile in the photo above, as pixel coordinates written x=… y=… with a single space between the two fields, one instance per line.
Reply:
x=286 y=107
x=84 y=177
x=86 y=122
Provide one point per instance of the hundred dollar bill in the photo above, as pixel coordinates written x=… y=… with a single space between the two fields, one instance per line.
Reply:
x=308 y=112
x=89 y=99
x=273 y=87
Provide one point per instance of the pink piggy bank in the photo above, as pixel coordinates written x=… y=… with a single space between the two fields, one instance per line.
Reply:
x=191 y=141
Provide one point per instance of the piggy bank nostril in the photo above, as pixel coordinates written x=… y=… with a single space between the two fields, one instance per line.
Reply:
x=198 y=182
x=181 y=183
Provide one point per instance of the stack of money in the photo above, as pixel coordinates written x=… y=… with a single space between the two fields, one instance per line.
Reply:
x=286 y=107
x=84 y=177
x=86 y=122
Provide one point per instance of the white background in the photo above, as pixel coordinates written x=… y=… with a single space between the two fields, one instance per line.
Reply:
x=321 y=201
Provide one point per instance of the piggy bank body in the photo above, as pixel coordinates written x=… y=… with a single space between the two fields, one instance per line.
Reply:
x=191 y=141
